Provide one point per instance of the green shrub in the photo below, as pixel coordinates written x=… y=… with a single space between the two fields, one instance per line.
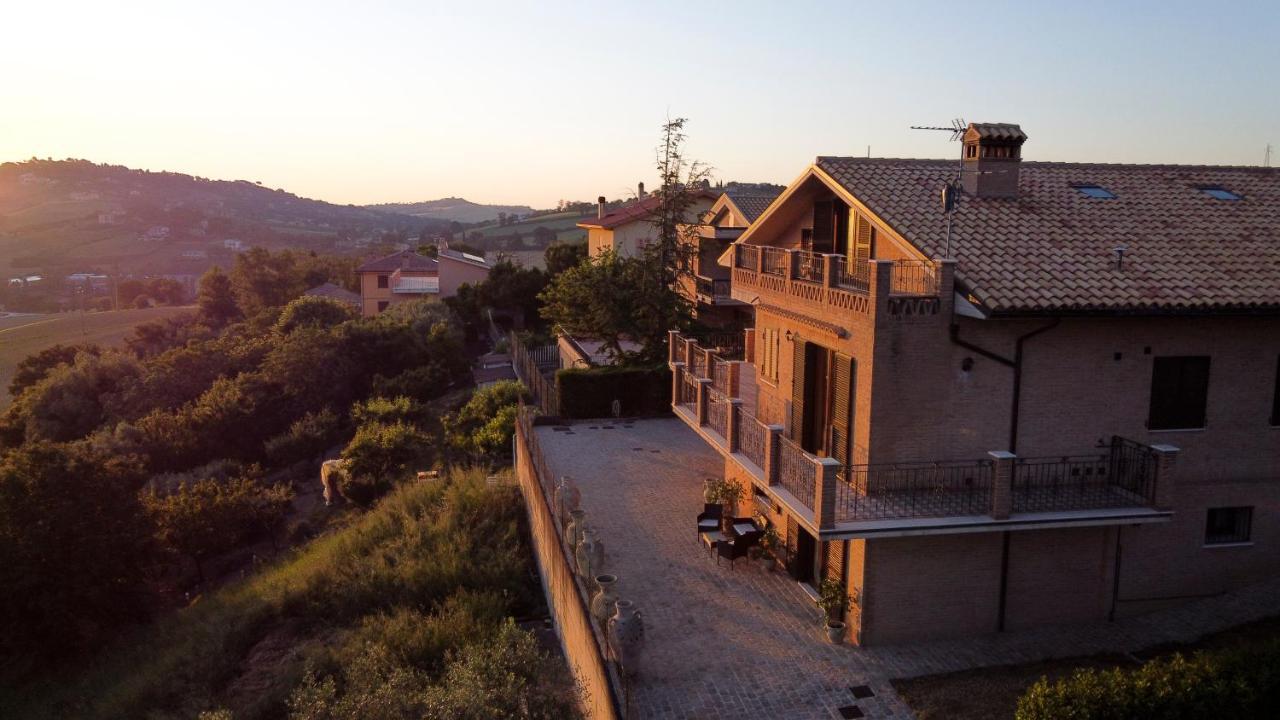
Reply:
x=590 y=392
x=1236 y=683
x=307 y=437
x=481 y=430
x=379 y=456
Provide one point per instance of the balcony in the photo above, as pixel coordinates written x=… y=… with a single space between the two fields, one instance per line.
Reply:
x=1128 y=483
x=414 y=284
x=714 y=291
x=822 y=283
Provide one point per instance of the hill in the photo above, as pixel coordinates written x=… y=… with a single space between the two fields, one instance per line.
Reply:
x=452 y=209
x=75 y=215
x=529 y=237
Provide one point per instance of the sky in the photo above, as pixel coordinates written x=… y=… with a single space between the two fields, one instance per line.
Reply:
x=529 y=103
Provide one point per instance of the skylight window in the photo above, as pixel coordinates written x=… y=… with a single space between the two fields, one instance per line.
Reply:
x=1218 y=192
x=1095 y=191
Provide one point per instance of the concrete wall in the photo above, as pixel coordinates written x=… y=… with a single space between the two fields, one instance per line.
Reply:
x=453 y=273
x=580 y=642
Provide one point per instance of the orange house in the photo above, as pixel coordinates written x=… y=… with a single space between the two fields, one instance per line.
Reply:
x=406 y=276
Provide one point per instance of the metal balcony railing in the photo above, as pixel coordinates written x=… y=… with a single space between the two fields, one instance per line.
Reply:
x=914 y=277
x=773 y=261
x=807 y=266
x=914 y=490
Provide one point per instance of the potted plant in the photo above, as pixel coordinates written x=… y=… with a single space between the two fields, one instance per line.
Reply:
x=769 y=542
x=833 y=600
x=726 y=493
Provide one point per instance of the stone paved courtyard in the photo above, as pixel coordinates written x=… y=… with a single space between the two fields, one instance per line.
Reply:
x=725 y=642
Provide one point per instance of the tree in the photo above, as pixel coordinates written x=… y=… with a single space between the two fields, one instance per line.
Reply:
x=33 y=368
x=216 y=302
x=482 y=428
x=562 y=256
x=682 y=182
x=379 y=456
x=313 y=312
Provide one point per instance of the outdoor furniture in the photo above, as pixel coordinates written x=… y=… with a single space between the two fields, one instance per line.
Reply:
x=710 y=517
x=711 y=540
x=736 y=548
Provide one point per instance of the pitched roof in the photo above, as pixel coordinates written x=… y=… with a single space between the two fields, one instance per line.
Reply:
x=464 y=257
x=641 y=209
x=403 y=260
x=752 y=206
x=1053 y=248
x=329 y=290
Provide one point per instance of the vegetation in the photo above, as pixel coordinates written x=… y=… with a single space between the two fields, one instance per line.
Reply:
x=1237 y=683
x=402 y=614
x=481 y=430
x=591 y=392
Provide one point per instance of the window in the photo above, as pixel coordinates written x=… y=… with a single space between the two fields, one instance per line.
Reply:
x=1179 y=392
x=1095 y=191
x=383 y=282
x=1228 y=525
x=382 y=305
x=1218 y=192
x=1275 y=397
x=769 y=347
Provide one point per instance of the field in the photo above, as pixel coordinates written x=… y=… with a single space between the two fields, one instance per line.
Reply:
x=564 y=224
x=22 y=335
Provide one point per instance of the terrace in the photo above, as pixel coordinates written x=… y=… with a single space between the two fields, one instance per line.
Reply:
x=1128 y=483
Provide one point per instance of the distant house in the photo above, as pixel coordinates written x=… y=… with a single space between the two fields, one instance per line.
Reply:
x=194 y=255
x=629 y=229
x=333 y=292
x=492 y=368
x=709 y=287
x=91 y=283
x=233 y=244
x=405 y=276
x=156 y=232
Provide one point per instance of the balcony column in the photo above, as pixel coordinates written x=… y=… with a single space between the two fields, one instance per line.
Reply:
x=749 y=345
x=677 y=374
x=708 y=362
x=824 y=492
x=1166 y=457
x=829 y=270
x=735 y=423
x=1002 y=484
x=688 y=352
x=704 y=384
x=673 y=337
x=735 y=379
x=792 y=263
x=881 y=284
x=772 y=446
x=759 y=263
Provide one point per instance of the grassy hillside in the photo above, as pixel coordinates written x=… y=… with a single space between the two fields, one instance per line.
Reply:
x=23 y=335
x=403 y=609
x=453 y=209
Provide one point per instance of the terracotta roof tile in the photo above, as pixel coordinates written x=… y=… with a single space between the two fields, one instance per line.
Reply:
x=1053 y=248
x=403 y=260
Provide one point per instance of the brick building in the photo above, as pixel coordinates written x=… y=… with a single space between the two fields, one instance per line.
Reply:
x=707 y=286
x=1058 y=402
x=406 y=276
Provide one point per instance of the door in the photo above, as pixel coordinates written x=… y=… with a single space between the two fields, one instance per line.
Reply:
x=840 y=427
x=809 y=396
x=803 y=561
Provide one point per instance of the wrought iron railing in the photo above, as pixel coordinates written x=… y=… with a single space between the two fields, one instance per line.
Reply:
x=1133 y=467
x=727 y=345
x=712 y=287
x=1123 y=477
x=752 y=438
x=746 y=256
x=858 y=281
x=720 y=375
x=807 y=266
x=773 y=261
x=698 y=362
x=718 y=412
x=688 y=390
x=913 y=490
x=797 y=471
x=529 y=365
x=914 y=277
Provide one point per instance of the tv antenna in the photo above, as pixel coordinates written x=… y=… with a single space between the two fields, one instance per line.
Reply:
x=1266 y=157
x=950 y=191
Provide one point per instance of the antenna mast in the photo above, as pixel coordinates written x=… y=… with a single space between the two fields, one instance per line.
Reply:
x=951 y=191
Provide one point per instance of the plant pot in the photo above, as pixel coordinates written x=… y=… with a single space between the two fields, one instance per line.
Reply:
x=583 y=556
x=602 y=603
x=765 y=561
x=625 y=636
x=835 y=632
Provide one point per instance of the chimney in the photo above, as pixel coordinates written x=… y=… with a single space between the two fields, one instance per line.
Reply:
x=599 y=207
x=992 y=156
x=640 y=191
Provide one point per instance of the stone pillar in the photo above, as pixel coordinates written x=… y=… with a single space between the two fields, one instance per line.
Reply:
x=677 y=373
x=772 y=446
x=792 y=254
x=829 y=270
x=1166 y=457
x=688 y=351
x=824 y=492
x=673 y=337
x=1002 y=484
x=704 y=384
x=749 y=345
x=946 y=287
x=734 y=379
x=735 y=423
x=708 y=362
x=881 y=281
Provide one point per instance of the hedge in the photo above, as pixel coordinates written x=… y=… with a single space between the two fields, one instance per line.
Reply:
x=1234 y=683
x=590 y=392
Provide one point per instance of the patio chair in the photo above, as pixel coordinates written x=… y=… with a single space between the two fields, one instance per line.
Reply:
x=736 y=548
x=709 y=519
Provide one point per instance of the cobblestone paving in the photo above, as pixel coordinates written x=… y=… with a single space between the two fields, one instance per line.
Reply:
x=724 y=642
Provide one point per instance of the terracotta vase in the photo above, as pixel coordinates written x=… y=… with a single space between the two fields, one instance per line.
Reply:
x=626 y=636
x=602 y=603
x=597 y=556
x=573 y=535
x=569 y=499
x=584 y=555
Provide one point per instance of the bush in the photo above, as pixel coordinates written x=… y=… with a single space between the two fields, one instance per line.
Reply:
x=1236 y=683
x=380 y=455
x=482 y=429
x=590 y=392
x=313 y=312
x=307 y=438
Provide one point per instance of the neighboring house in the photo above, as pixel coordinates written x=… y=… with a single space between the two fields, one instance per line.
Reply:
x=708 y=287
x=335 y=292
x=987 y=441
x=233 y=245
x=491 y=369
x=629 y=229
x=405 y=276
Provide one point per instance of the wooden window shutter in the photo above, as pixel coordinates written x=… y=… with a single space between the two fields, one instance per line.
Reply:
x=842 y=408
x=797 y=391
x=833 y=560
x=862 y=246
x=823 y=226
x=793 y=531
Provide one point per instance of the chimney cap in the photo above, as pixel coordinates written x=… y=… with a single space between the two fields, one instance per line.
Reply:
x=600 y=200
x=1003 y=132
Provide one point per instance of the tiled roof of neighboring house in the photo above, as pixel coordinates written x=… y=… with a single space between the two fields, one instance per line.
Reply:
x=636 y=210
x=403 y=260
x=484 y=375
x=464 y=257
x=753 y=206
x=329 y=290
x=1053 y=248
